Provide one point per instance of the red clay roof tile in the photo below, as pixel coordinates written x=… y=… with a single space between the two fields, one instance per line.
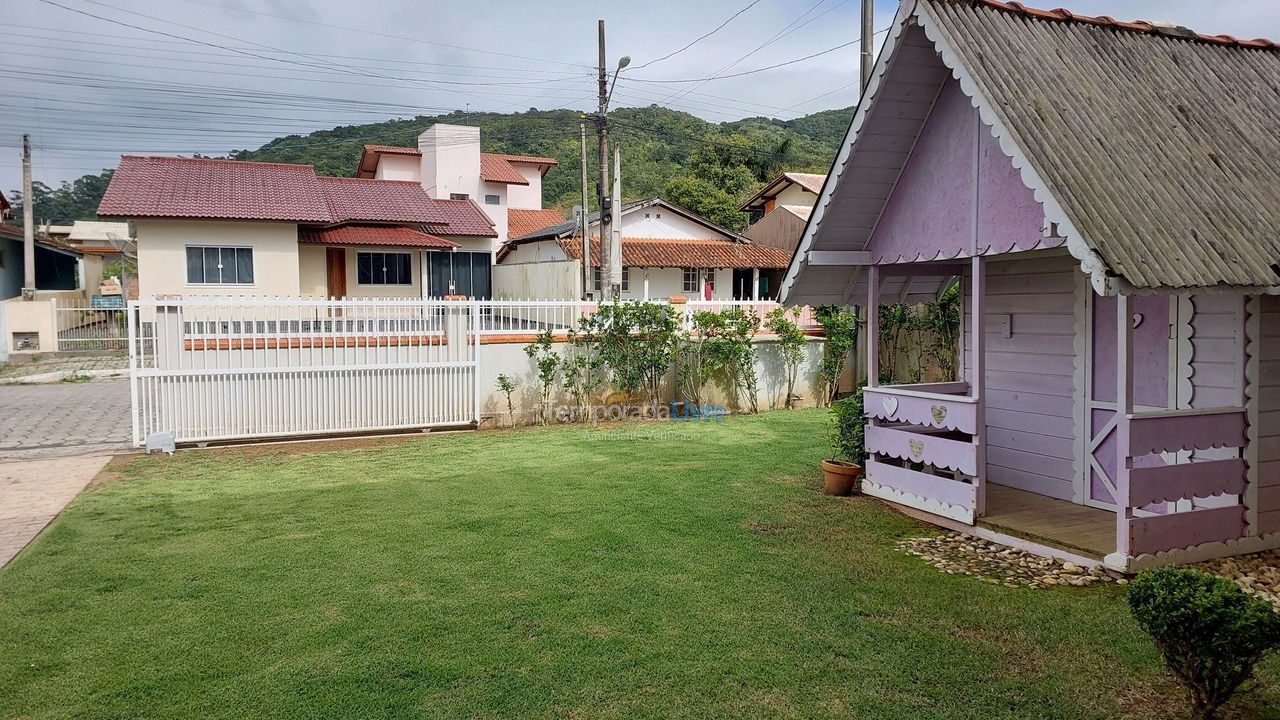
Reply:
x=685 y=252
x=206 y=188
x=497 y=169
x=523 y=222
x=397 y=236
x=398 y=201
x=462 y=217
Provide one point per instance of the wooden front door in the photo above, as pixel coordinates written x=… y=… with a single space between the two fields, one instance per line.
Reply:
x=335 y=265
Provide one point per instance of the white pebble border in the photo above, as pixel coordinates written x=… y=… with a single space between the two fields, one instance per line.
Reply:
x=958 y=554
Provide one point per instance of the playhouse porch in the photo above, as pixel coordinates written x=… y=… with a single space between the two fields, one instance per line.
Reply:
x=1071 y=430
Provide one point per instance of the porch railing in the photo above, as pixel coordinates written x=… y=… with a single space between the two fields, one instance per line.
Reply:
x=923 y=448
x=1167 y=464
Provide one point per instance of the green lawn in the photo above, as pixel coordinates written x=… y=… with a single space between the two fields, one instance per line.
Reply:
x=657 y=570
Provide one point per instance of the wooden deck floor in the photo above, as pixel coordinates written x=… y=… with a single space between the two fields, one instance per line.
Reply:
x=1057 y=523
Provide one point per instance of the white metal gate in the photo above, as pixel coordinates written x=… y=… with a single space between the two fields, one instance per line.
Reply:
x=221 y=369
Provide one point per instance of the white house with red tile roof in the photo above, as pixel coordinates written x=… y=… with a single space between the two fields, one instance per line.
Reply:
x=449 y=165
x=229 y=227
x=666 y=250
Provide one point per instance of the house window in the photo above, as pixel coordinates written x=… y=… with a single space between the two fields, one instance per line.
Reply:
x=207 y=264
x=690 y=277
x=597 y=279
x=459 y=196
x=384 y=268
x=492 y=200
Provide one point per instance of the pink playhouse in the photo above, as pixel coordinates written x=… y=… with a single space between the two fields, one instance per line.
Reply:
x=1107 y=194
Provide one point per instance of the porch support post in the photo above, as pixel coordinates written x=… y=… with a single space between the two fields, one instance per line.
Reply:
x=873 y=326
x=1124 y=408
x=755 y=283
x=977 y=378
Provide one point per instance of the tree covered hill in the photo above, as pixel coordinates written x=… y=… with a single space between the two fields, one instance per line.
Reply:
x=707 y=167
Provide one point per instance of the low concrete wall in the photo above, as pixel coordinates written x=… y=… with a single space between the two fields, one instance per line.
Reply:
x=511 y=360
x=35 y=316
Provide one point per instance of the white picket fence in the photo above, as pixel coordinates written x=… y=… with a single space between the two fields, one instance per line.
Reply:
x=212 y=369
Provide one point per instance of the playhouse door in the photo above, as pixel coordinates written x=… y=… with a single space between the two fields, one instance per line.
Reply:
x=1151 y=360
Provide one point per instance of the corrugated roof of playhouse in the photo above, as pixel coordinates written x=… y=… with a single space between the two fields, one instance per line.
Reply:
x=1155 y=149
x=1162 y=146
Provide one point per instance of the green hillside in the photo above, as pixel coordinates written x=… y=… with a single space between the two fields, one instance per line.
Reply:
x=708 y=167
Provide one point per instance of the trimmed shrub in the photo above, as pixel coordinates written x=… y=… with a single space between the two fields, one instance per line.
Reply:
x=848 y=424
x=1210 y=632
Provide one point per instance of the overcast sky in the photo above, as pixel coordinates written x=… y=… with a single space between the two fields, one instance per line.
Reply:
x=211 y=76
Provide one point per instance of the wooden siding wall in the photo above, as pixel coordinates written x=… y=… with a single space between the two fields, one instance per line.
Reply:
x=1268 y=349
x=1031 y=439
x=1217 y=346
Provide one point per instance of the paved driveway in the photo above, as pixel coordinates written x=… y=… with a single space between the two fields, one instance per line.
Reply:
x=63 y=419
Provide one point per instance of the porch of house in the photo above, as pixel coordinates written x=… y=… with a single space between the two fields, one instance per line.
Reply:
x=1093 y=464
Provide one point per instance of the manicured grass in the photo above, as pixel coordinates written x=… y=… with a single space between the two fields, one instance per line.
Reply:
x=657 y=570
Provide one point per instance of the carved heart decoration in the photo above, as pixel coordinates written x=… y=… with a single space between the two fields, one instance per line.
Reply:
x=1137 y=320
x=939 y=413
x=916 y=447
x=890 y=405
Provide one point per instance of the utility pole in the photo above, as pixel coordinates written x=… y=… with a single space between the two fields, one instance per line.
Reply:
x=584 y=222
x=602 y=192
x=28 y=222
x=615 y=233
x=867 y=44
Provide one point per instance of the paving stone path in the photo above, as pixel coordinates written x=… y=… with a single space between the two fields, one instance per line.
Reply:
x=53 y=440
x=33 y=492
x=63 y=419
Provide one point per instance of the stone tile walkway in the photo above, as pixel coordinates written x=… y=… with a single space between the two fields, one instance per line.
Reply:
x=17 y=371
x=33 y=492
x=41 y=421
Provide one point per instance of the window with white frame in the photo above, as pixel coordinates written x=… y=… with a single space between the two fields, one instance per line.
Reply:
x=216 y=265
x=597 y=279
x=492 y=200
x=459 y=196
x=690 y=277
x=384 y=268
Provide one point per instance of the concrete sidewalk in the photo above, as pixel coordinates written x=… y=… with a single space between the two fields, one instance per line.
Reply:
x=33 y=492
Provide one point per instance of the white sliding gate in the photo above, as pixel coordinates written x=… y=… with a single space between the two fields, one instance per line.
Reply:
x=223 y=369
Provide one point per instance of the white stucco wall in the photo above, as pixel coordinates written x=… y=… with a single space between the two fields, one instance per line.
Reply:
x=398 y=167
x=162 y=256
x=451 y=161
x=541 y=251
x=795 y=195
x=658 y=222
x=537 y=281
x=526 y=197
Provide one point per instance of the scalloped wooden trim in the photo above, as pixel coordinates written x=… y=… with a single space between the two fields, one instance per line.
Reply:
x=1252 y=333
x=929 y=505
x=923 y=448
x=1193 y=554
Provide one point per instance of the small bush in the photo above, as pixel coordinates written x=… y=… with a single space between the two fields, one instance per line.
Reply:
x=848 y=429
x=1209 y=631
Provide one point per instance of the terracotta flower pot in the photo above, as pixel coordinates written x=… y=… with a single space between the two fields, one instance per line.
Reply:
x=838 y=477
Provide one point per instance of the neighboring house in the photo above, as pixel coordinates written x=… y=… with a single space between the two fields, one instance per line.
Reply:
x=780 y=211
x=666 y=251
x=228 y=227
x=1119 y=397
x=57 y=267
x=449 y=165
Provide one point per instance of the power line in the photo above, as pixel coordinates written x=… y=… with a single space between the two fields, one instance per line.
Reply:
x=700 y=38
x=757 y=70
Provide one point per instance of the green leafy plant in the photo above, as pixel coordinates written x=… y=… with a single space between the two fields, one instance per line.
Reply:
x=1209 y=631
x=942 y=320
x=791 y=345
x=581 y=370
x=840 y=329
x=547 y=361
x=848 y=429
x=506 y=386
x=732 y=353
x=695 y=362
x=637 y=341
